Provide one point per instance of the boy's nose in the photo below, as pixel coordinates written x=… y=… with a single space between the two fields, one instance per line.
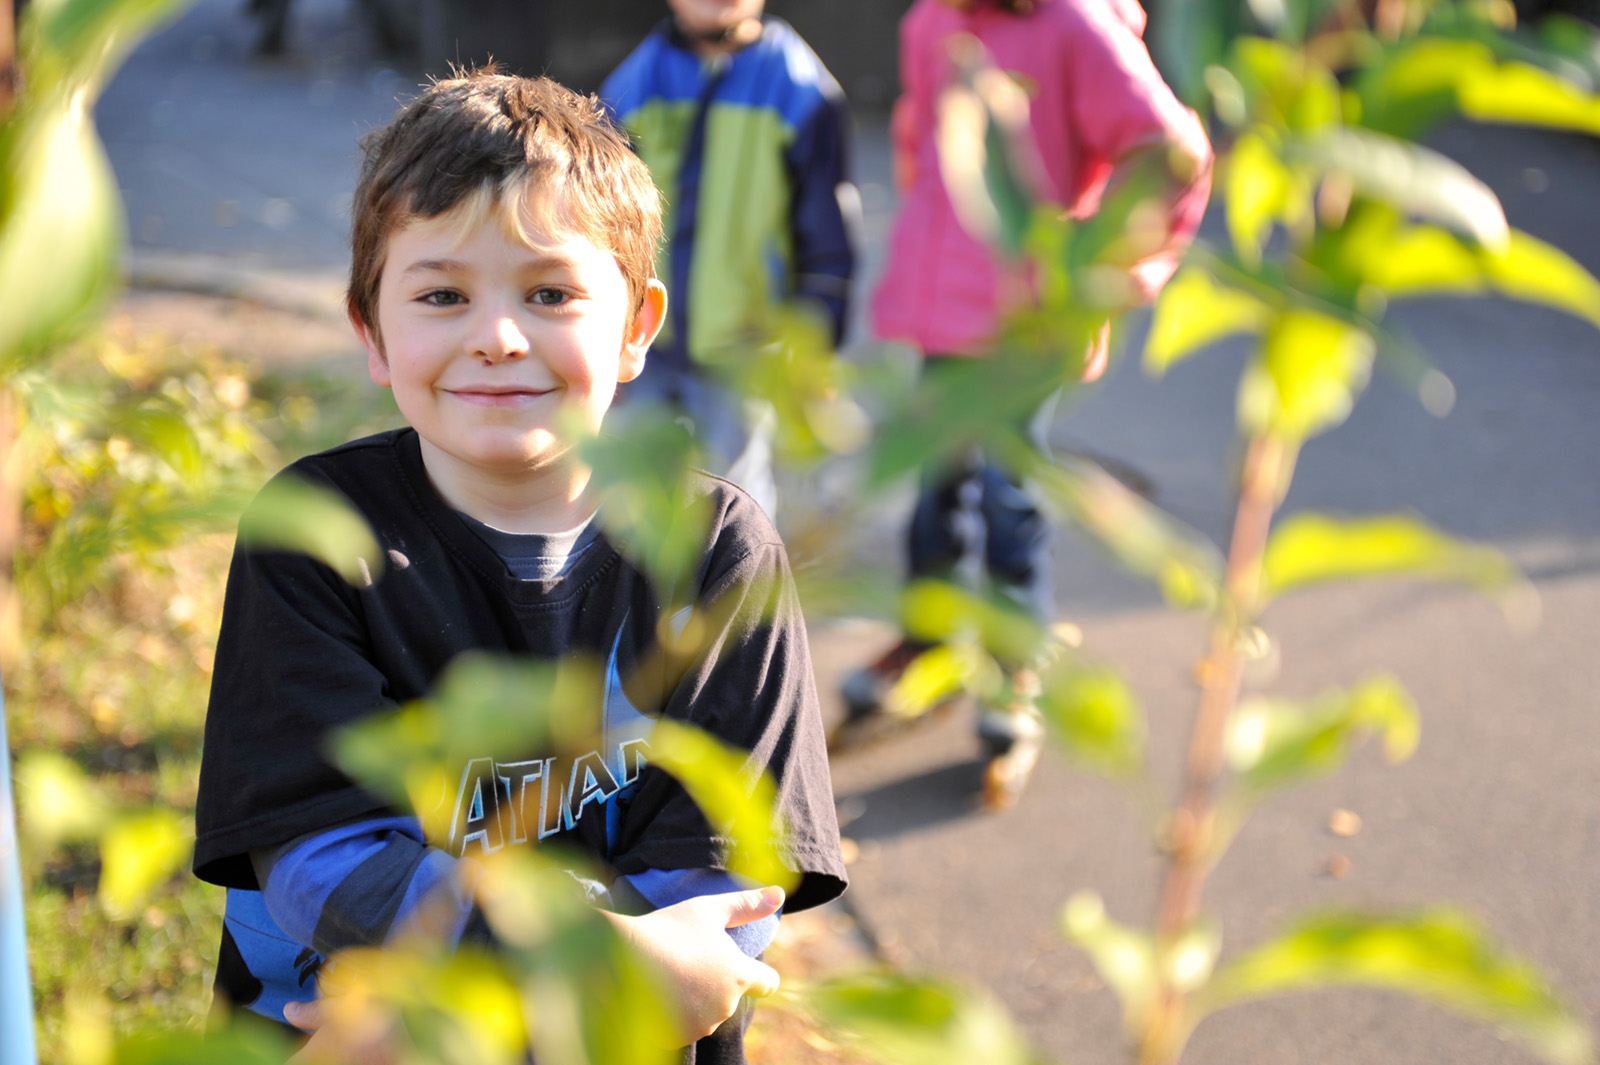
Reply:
x=502 y=339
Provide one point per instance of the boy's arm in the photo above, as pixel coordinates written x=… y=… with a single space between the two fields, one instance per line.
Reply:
x=824 y=210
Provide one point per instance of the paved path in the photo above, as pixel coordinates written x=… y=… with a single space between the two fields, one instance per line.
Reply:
x=236 y=174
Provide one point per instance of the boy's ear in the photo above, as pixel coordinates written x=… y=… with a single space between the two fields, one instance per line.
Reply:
x=377 y=364
x=642 y=330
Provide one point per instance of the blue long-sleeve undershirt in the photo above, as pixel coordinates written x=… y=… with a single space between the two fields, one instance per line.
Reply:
x=355 y=884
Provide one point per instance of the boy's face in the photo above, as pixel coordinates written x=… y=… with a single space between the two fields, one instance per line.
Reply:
x=490 y=344
x=713 y=16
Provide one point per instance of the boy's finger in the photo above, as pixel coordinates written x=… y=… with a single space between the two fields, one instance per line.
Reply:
x=763 y=980
x=747 y=906
x=306 y=1016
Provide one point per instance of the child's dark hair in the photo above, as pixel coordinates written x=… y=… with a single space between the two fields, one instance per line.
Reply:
x=490 y=139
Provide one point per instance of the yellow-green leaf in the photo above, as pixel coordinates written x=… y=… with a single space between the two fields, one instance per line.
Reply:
x=138 y=853
x=1276 y=742
x=1139 y=535
x=1529 y=269
x=1313 y=548
x=1096 y=716
x=1124 y=957
x=737 y=799
x=292 y=514
x=1517 y=92
x=897 y=1019
x=940 y=612
x=1259 y=191
x=1306 y=377
x=60 y=230
x=56 y=801
x=1438 y=955
x=1193 y=311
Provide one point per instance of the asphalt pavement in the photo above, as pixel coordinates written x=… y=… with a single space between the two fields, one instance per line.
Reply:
x=236 y=173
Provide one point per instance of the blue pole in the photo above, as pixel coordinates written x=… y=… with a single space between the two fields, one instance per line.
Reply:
x=16 y=991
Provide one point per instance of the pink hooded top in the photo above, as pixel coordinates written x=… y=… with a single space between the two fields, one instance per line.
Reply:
x=1095 y=96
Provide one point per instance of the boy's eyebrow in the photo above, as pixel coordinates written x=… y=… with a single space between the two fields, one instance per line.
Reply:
x=541 y=260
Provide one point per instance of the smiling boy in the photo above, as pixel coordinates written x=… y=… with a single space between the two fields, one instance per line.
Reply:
x=501 y=283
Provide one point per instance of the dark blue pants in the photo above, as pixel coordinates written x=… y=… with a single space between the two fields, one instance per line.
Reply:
x=975 y=520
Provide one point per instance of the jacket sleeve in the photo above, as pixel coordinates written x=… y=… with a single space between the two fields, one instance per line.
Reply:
x=824 y=210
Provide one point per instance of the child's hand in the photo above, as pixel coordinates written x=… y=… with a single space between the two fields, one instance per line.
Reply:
x=329 y=1046
x=690 y=944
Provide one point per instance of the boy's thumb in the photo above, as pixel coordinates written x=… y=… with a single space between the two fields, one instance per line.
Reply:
x=747 y=906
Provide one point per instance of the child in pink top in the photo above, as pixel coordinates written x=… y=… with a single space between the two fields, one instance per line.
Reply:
x=1095 y=101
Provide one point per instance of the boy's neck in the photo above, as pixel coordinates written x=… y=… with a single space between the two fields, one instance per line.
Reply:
x=552 y=500
x=740 y=35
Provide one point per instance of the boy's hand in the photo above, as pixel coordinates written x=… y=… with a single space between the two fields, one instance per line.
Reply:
x=327 y=1045
x=690 y=944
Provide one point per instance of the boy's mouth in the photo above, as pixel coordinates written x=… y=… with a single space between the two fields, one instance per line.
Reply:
x=498 y=395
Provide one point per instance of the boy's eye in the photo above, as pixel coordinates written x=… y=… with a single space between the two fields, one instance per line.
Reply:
x=442 y=297
x=549 y=297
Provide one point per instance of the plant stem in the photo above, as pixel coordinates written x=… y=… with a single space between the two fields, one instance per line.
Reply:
x=1221 y=672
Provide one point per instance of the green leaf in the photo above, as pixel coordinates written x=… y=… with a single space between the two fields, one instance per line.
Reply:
x=245 y=1039
x=1517 y=92
x=740 y=802
x=1438 y=955
x=1413 y=85
x=1259 y=191
x=904 y=1020
x=939 y=673
x=138 y=853
x=1194 y=311
x=1272 y=743
x=986 y=151
x=595 y=998
x=56 y=801
x=1138 y=535
x=1096 y=716
x=292 y=514
x=1528 y=269
x=939 y=612
x=1124 y=957
x=1284 y=85
x=1306 y=377
x=642 y=467
x=1313 y=548
x=60 y=227
x=1413 y=179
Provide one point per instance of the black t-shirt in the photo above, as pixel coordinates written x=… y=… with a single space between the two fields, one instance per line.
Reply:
x=302 y=651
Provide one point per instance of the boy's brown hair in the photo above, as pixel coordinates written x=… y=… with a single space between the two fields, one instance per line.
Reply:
x=488 y=137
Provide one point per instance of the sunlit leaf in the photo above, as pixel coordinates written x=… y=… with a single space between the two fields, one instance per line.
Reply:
x=1440 y=956
x=1124 y=957
x=1312 y=548
x=1259 y=191
x=1529 y=269
x=56 y=801
x=138 y=853
x=1096 y=717
x=1272 y=743
x=1413 y=85
x=738 y=801
x=292 y=514
x=1285 y=86
x=940 y=612
x=481 y=704
x=1517 y=92
x=897 y=1019
x=642 y=470
x=1415 y=180
x=939 y=673
x=244 y=1039
x=451 y=1007
x=60 y=226
x=1306 y=378
x=986 y=153
x=1194 y=311
x=591 y=997
x=1139 y=535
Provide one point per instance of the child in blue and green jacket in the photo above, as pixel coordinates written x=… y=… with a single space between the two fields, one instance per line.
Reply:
x=746 y=134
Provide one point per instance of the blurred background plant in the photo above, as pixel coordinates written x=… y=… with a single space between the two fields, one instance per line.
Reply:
x=1333 y=211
